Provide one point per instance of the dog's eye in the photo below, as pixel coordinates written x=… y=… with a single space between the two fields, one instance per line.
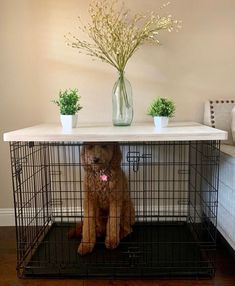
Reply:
x=104 y=146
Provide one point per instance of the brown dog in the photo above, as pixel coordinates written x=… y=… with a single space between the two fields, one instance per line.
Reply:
x=108 y=209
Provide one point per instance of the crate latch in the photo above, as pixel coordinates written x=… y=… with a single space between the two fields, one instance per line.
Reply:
x=134 y=157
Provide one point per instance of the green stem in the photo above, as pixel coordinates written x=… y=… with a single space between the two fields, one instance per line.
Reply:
x=123 y=90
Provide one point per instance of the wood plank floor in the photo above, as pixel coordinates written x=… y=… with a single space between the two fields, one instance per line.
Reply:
x=225 y=275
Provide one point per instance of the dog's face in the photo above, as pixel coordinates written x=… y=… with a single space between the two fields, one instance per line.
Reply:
x=99 y=156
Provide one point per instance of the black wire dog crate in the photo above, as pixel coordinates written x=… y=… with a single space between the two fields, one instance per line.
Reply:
x=173 y=187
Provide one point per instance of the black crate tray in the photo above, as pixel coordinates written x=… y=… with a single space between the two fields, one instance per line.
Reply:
x=152 y=250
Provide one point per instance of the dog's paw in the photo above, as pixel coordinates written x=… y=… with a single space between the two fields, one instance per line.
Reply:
x=85 y=248
x=111 y=242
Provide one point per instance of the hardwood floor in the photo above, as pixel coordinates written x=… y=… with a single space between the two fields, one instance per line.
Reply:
x=225 y=275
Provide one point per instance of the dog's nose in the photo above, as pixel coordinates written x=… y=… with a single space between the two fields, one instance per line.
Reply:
x=96 y=160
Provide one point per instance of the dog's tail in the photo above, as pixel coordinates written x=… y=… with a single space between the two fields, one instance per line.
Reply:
x=76 y=231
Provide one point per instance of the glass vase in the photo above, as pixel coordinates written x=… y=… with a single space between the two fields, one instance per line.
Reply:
x=122 y=102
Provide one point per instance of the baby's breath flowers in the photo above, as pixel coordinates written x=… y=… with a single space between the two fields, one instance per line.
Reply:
x=116 y=35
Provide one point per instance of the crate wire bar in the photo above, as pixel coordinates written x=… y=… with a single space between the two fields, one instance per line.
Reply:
x=173 y=186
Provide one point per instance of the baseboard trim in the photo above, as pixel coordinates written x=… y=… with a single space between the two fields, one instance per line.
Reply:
x=7 y=217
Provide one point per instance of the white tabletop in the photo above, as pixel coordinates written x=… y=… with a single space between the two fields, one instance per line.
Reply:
x=176 y=131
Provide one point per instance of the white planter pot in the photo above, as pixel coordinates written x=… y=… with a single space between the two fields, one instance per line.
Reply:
x=68 y=121
x=160 y=121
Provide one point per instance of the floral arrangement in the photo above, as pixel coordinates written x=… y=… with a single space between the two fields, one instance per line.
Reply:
x=162 y=107
x=116 y=35
x=68 y=102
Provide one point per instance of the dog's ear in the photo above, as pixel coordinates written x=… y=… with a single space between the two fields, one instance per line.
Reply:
x=117 y=156
x=82 y=156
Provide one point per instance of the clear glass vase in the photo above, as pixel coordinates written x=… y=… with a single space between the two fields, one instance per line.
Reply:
x=122 y=102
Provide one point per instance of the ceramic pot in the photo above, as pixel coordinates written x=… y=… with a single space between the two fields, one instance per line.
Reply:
x=161 y=121
x=68 y=121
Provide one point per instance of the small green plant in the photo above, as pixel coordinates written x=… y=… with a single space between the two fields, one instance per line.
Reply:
x=162 y=107
x=68 y=102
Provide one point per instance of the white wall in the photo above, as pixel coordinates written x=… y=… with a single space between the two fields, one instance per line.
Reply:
x=191 y=66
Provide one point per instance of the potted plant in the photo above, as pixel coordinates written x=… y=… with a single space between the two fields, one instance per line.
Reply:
x=161 y=109
x=69 y=105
